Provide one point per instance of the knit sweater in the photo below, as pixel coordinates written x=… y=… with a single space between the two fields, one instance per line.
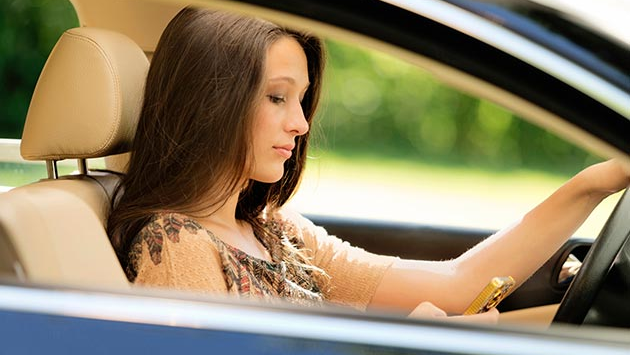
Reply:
x=174 y=251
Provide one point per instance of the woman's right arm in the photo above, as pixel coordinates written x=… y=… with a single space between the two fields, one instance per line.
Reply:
x=518 y=250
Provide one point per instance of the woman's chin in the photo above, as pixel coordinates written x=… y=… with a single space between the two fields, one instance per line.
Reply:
x=269 y=178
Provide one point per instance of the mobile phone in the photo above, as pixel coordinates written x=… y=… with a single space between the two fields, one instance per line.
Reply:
x=496 y=290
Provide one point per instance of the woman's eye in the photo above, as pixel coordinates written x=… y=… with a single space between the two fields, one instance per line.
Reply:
x=276 y=99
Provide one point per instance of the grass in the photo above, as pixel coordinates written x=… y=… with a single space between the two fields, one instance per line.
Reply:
x=378 y=188
x=16 y=174
x=20 y=173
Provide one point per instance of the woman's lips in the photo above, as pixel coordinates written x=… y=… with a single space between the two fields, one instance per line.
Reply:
x=284 y=151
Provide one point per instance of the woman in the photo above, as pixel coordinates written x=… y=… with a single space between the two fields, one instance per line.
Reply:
x=220 y=147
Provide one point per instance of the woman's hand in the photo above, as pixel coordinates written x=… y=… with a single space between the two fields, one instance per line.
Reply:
x=429 y=310
x=605 y=178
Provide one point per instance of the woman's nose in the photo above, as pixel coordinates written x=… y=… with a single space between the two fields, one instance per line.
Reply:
x=297 y=121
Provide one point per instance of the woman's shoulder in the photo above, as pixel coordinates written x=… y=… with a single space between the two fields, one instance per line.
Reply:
x=172 y=223
x=287 y=217
x=164 y=228
x=173 y=249
x=290 y=223
x=286 y=221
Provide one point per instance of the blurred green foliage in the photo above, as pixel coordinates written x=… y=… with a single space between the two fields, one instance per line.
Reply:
x=373 y=104
x=389 y=107
x=28 y=31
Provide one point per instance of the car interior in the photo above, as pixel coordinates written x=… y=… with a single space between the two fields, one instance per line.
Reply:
x=55 y=227
x=52 y=231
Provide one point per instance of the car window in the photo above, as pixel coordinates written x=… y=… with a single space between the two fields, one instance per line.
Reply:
x=393 y=143
x=29 y=31
x=15 y=171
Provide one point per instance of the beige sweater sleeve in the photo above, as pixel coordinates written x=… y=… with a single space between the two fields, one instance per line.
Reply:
x=189 y=262
x=354 y=273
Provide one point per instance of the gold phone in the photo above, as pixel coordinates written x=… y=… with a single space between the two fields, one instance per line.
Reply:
x=496 y=290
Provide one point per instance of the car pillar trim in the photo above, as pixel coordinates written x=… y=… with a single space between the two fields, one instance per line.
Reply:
x=523 y=49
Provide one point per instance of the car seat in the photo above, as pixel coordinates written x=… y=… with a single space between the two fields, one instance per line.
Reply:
x=85 y=105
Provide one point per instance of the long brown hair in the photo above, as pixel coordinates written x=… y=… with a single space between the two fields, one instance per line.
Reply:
x=194 y=134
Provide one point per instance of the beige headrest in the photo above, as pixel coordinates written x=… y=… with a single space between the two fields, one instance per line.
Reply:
x=87 y=99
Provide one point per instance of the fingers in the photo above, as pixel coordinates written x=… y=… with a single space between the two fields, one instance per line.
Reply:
x=429 y=310
x=490 y=317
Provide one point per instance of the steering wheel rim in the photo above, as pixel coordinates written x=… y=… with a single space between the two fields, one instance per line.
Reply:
x=584 y=288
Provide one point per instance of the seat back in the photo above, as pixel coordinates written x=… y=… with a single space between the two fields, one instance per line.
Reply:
x=85 y=105
x=55 y=229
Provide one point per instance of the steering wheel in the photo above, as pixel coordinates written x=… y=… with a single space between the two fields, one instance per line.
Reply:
x=582 y=292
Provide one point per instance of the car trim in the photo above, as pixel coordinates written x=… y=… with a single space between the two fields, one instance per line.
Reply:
x=299 y=323
x=521 y=48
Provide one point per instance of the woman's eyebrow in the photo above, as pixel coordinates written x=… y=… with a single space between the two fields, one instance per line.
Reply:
x=286 y=78
x=290 y=79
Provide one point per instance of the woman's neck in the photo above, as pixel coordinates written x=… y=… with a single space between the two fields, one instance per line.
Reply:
x=225 y=216
x=223 y=224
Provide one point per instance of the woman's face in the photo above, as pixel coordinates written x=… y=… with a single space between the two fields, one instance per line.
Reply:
x=279 y=118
